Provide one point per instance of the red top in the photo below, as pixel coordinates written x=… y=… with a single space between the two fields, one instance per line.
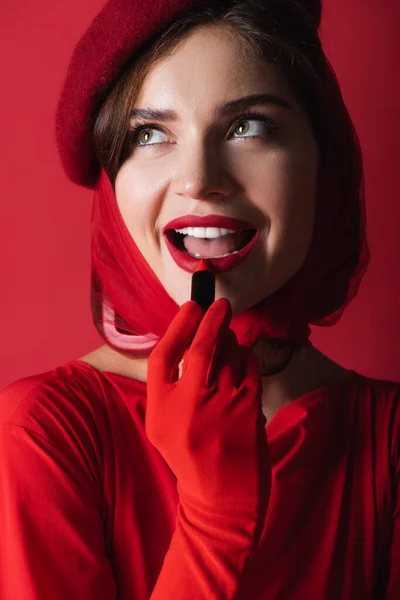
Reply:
x=88 y=505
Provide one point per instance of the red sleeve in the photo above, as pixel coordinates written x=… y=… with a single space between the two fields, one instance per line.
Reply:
x=389 y=576
x=393 y=589
x=52 y=541
x=206 y=557
x=52 y=544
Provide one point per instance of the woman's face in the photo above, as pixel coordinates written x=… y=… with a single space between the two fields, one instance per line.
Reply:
x=258 y=164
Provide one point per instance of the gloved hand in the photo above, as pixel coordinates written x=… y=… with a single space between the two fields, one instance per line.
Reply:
x=208 y=424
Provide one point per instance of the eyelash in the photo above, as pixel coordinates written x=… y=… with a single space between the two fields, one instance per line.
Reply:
x=140 y=126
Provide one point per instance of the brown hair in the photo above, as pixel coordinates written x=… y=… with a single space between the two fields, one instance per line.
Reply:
x=279 y=30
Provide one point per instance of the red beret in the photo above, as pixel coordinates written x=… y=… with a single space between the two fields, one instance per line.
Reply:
x=99 y=57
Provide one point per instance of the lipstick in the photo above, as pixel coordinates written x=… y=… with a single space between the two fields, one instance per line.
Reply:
x=203 y=285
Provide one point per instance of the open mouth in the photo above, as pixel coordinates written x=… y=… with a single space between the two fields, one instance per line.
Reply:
x=210 y=242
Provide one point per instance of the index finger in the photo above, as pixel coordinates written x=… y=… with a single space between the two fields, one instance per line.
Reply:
x=164 y=359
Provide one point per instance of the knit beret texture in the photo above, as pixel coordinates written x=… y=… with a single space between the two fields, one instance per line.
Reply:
x=111 y=40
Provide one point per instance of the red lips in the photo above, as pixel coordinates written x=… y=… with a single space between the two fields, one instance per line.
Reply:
x=189 y=263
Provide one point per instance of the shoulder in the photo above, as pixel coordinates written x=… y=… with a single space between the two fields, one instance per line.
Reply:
x=379 y=397
x=379 y=411
x=56 y=451
x=384 y=393
x=62 y=403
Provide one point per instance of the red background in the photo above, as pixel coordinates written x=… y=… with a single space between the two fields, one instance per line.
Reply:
x=45 y=316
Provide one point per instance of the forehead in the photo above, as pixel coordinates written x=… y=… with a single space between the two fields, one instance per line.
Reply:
x=209 y=66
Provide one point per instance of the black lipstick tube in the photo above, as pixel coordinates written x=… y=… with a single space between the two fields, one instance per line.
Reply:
x=203 y=286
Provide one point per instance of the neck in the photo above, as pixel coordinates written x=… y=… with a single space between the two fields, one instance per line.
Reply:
x=307 y=370
x=274 y=356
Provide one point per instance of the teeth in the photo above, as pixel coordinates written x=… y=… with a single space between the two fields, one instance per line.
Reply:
x=205 y=232
x=211 y=257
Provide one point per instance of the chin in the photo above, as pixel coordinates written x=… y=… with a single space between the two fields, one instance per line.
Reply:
x=241 y=290
x=240 y=305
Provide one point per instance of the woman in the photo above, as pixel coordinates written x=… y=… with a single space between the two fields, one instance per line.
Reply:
x=207 y=455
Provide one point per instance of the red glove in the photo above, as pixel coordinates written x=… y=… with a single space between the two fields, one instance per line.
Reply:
x=209 y=427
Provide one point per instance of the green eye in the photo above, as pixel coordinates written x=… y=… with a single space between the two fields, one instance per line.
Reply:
x=241 y=127
x=145 y=135
x=146 y=132
x=140 y=135
x=268 y=126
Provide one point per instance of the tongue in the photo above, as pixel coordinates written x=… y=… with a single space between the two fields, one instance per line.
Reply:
x=208 y=248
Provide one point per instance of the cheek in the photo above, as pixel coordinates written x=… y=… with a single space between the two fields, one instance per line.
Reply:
x=299 y=207
x=292 y=185
x=287 y=197
x=139 y=199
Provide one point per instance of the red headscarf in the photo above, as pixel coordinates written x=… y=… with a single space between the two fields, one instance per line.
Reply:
x=132 y=310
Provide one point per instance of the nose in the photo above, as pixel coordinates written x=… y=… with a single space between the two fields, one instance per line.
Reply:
x=201 y=174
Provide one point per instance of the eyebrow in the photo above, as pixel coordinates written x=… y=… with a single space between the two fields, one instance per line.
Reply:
x=226 y=110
